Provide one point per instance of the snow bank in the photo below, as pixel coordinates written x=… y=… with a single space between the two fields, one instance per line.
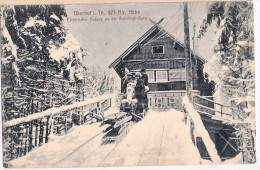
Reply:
x=59 y=147
x=237 y=160
x=200 y=128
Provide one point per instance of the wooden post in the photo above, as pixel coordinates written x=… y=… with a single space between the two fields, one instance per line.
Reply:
x=66 y=125
x=50 y=123
x=194 y=63
x=21 y=145
x=187 y=52
x=98 y=106
x=12 y=142
x=233 y=114
x=41 y=132
x=47 y=130
x=123 y=74
x=26 y=136
x=30 y=136
x=36 y=133
x=84 y=86
x=193 y=38
x=82 y=115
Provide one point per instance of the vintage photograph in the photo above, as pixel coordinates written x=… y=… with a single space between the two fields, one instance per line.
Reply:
x=128 y=84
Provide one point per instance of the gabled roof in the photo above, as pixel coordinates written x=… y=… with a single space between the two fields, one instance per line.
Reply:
x=143 y=37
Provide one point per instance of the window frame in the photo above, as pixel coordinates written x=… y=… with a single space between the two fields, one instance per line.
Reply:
x=157 y=46
x=155 y=73
x=162 y=80
x=149 y=78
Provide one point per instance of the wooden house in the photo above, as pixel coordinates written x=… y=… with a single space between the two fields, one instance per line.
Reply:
x=162 y=55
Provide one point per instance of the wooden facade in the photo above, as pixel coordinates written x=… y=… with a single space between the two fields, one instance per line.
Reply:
x=162 y=55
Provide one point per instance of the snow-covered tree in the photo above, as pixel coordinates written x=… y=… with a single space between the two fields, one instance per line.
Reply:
x=38 y=53
x=41 y=65
x=232 y=65
x=100 y=81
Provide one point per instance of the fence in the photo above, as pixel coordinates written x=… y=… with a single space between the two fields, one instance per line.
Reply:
x=244 y=141
x=21 y=135
x=165 y=100
x=206 y=105
x=195 y=123
x=197 y=110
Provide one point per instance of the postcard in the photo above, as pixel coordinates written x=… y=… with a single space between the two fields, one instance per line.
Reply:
x=128 y=84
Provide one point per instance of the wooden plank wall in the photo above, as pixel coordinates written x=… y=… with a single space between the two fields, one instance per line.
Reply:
x=173 y=60
x=155 y=64
x=171 y=49
x=178 y=85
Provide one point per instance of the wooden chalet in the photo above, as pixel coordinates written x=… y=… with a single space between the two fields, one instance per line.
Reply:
x=162 y=55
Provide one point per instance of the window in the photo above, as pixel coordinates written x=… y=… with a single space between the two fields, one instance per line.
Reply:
x=150 y=76
x=161 y=76
x=155 y=76
x=159 y=49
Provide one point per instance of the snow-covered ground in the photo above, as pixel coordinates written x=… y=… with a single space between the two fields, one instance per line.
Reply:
x=110 y=111
x=59 y=147
x=161 y=138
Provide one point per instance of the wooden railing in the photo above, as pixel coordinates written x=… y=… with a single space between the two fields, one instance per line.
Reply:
x=206 y=105
x=21 y=135
x=196 y=126
x=165 y=100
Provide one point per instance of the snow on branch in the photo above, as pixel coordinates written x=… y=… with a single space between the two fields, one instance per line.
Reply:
x=34 y=21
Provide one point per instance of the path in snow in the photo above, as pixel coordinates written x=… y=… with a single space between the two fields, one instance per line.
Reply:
x=161 y=138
